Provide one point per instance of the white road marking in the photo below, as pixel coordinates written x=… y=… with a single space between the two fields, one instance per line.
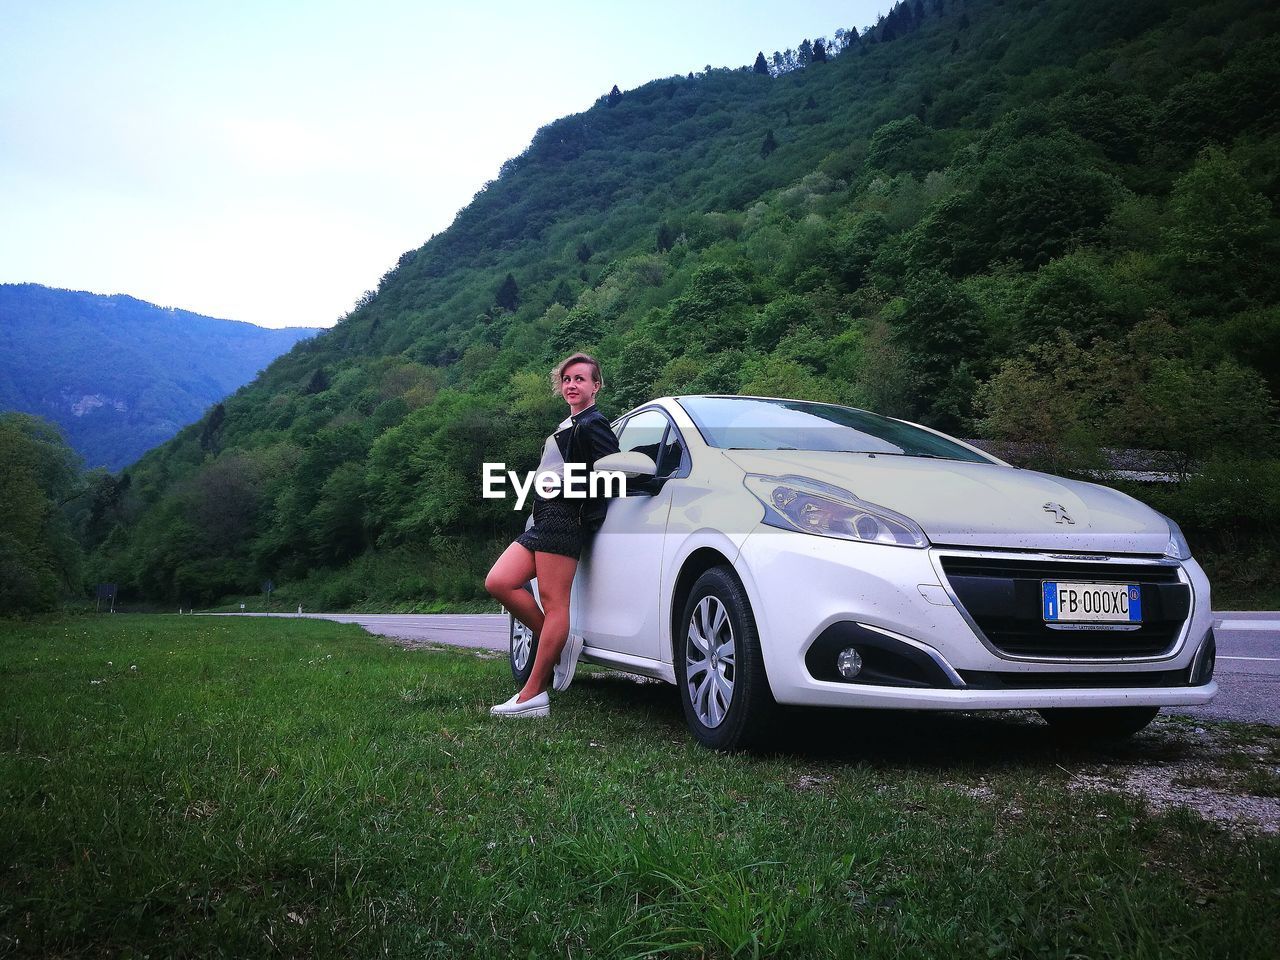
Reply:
x=1248 y=625
x=1259 y=659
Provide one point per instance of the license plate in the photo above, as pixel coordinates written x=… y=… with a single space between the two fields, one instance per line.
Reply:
x=1073 y=602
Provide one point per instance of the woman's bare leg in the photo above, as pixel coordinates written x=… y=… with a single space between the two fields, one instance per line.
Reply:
x=506 y=581
x=555 y=579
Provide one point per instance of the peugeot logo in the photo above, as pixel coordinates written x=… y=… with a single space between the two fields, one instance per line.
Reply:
x=1059 y=512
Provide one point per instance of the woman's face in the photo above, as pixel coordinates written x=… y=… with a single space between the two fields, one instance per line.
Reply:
x=577 y=386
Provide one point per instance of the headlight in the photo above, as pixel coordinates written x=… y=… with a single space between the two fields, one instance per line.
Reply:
x=811 y=506
x=1178 y=547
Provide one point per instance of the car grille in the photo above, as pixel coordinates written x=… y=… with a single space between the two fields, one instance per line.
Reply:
x=1002 y=595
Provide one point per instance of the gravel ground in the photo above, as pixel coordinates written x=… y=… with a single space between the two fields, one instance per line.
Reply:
x=1229 y=776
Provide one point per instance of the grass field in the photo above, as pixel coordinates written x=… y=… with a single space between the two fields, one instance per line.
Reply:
x=203 y=787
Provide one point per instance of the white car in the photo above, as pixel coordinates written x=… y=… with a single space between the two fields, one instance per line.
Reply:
x=786 y=552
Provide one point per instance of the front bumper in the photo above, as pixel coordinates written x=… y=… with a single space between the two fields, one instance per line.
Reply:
x=802 y=588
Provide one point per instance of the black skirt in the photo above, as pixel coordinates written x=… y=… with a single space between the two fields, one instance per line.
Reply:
x=557 y=528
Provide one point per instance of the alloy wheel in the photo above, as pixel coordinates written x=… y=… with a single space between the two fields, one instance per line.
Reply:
x=521 y=644
x=709 y=661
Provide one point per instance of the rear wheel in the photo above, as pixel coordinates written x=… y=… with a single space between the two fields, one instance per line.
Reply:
x=719 y=668
x=523 y=649
x=1098 y=723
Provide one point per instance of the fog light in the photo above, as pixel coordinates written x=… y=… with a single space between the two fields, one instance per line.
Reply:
x=849 y=662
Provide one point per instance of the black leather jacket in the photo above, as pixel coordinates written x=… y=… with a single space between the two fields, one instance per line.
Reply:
x=588 y=438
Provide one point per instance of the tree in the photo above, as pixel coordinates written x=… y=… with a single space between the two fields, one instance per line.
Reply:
x=769 y=145
x=772 y=376
x=317 y=383
x=761 y=66
x=105 y=495
x=213 y=423
x=337 y=520
x=584 y=252
x=1067 y=400
x=902 y=145
x=615 y=96
x=1033 y=200
x=939 y=329
x=39 y=558
x=666 y=236
x=508 y=295
x=1196 y=413
x=1053 y=401
x=711 y=311
x=1075 y=293
x=563 y=293
x=779 y=318
x=855 y=251
x=1222 y=242
x=637 y=367
x=223 y=503
x=819 y=51
x=805 y=56
x=576 y=330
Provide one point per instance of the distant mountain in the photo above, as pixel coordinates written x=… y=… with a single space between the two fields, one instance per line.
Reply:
x=120 y=375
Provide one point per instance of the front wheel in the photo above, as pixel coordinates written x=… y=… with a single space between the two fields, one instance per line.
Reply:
x=1098 y=723
x=719 y=668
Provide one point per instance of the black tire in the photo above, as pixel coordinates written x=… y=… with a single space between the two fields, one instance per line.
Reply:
x=1098 y=723
x=522 y=648
x=744 y=721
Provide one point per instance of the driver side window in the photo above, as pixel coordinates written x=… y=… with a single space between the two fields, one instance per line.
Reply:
x=651 y=433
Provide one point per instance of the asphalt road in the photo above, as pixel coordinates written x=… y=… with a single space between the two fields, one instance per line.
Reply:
x=1248 y=670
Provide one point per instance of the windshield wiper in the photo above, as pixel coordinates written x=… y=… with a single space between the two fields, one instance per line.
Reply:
x=890 y=453
x=868 y=453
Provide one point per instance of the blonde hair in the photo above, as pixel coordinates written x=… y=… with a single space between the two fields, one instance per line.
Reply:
x=568 y=362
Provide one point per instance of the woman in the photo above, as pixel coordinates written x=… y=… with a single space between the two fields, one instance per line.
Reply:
x=549 y=550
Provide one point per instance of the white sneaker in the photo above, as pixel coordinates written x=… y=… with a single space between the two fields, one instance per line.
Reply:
x=562 y=675
x=537 y=706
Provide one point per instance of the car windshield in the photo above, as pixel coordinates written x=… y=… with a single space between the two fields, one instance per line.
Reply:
x=749 y=423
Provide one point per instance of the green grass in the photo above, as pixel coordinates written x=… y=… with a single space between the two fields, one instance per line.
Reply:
x=278 y=787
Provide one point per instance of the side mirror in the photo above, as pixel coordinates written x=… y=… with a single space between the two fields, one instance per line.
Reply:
x=632 y=464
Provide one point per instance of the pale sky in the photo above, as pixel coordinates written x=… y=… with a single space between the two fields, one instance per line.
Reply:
x=269 y=161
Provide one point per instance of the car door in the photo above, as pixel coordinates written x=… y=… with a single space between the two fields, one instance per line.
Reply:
x=617 y=588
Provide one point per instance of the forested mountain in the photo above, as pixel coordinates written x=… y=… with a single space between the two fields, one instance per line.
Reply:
x=119 y=375
x=1034 y=220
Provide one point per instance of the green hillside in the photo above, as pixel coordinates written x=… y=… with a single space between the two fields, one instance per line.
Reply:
x=120 y=375
x=1050 y=222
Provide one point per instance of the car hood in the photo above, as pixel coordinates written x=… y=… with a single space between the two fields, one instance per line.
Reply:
x=979 y=504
